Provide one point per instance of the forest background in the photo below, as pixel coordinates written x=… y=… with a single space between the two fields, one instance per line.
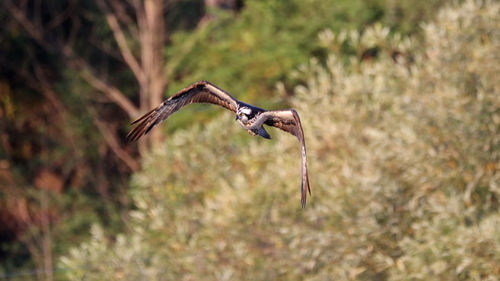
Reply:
x=400 y=105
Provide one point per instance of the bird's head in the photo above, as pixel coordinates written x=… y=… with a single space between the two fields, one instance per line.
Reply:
x=243 y=114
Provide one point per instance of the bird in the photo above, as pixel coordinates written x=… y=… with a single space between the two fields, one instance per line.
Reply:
x=250 y=117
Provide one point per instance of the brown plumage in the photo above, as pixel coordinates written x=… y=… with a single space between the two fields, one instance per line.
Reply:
x=199 y=92
x=289 y=121
x=250 y=118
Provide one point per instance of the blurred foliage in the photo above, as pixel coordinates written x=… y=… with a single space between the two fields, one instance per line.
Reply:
x=48 y=141
x=249 y=52
x=404 y=153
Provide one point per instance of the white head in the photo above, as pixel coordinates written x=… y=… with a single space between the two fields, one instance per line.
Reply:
x=243 y=114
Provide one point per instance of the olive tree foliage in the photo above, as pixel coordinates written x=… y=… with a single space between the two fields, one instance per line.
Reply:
x=404 y=155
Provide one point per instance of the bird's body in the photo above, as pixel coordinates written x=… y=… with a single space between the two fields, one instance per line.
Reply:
x=248 y=116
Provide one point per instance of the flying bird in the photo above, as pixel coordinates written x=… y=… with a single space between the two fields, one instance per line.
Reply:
x=248 y=116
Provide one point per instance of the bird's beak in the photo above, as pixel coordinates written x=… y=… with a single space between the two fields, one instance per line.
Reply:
x=237 y=117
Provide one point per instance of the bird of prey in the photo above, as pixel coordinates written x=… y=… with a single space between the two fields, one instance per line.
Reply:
x=250 y=118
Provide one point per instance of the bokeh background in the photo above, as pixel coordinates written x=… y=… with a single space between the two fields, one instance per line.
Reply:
x=401 y=110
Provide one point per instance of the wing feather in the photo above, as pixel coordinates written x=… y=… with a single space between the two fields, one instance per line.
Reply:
x=199 y=92
x=289 y=121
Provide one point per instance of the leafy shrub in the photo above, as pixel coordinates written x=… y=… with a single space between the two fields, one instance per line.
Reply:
x=248 y=53
x=404 y=156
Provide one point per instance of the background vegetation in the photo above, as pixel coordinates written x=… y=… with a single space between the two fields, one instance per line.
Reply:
x=402 y=120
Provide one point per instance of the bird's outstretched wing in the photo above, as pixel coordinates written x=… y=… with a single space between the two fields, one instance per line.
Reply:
x=198 y=92
x=289 y=121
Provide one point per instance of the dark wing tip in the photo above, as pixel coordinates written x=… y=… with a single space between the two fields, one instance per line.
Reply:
x=146 y=123
x=134 y=134
x=308 y=185
x=143 y=117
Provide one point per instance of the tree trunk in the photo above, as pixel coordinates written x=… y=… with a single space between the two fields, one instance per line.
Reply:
x=152 y=37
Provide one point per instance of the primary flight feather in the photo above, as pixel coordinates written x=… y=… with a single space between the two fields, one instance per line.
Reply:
x=250 y=118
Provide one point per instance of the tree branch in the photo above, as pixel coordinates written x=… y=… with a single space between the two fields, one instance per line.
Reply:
x=60 y=18
x=121 y=14
x=113 y=143
x=34 y=30
x=87 y=73
x=122 y=42
x=113 y=93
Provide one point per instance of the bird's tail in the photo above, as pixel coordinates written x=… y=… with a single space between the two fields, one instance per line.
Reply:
x=263 y=133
